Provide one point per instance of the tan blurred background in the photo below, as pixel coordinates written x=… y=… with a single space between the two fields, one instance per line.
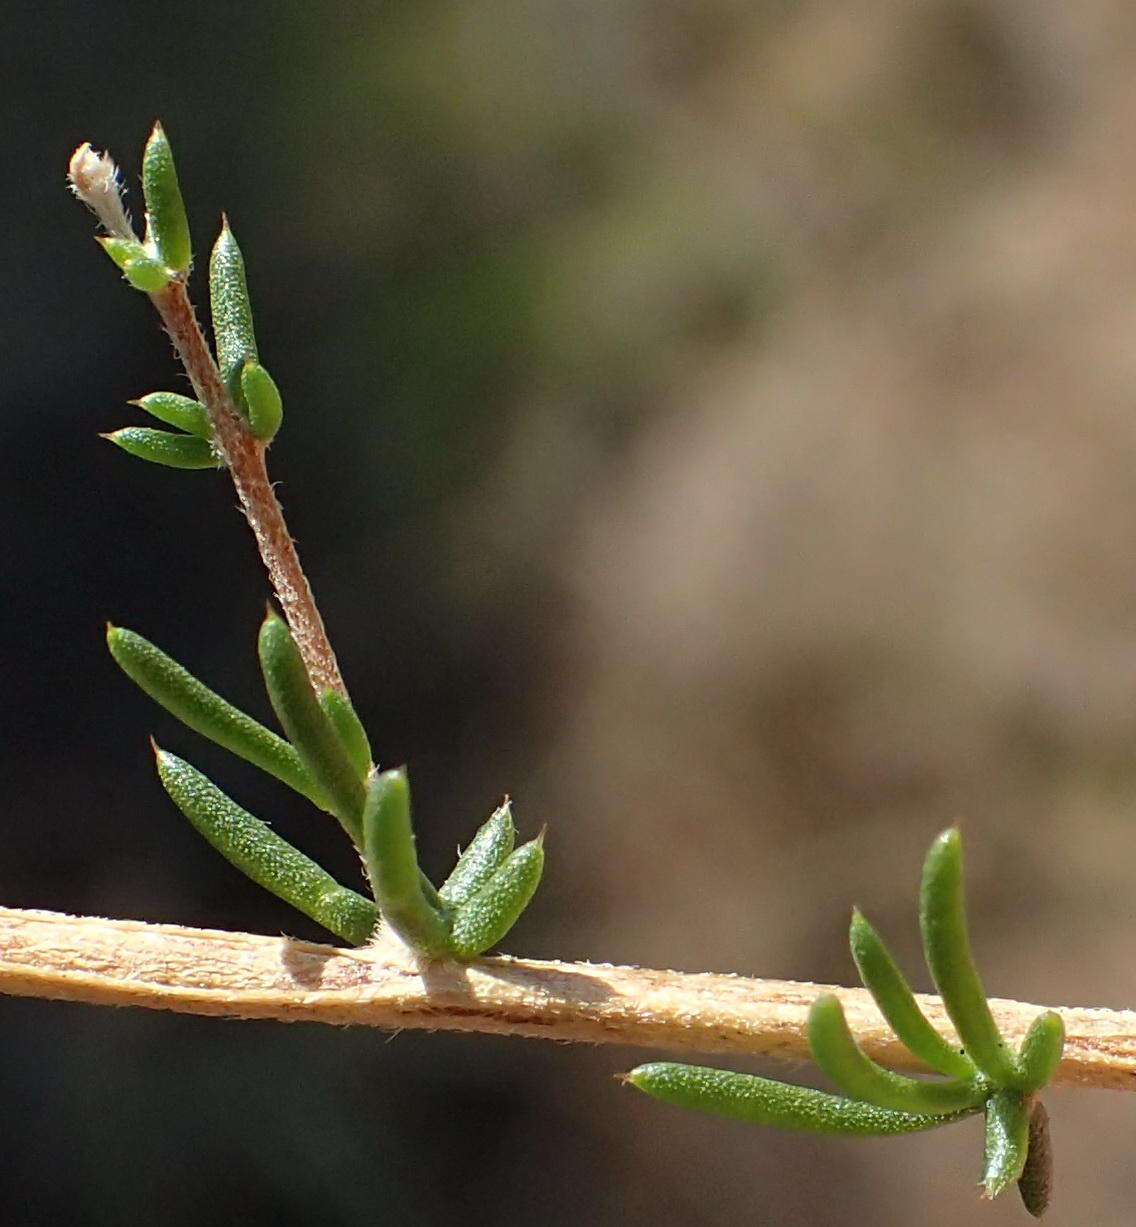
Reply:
x=732 y=432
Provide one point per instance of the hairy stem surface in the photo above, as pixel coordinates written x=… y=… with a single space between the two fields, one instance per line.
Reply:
x=242 y=975
x=244 y=455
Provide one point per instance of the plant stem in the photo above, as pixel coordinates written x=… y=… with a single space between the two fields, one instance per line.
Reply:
x=244 y=455
x=242 y=975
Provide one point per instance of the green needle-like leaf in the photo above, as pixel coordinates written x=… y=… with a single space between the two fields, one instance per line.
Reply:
x=167 y=227
x=232 y=312
x=179 y=411
x=307 y=726
x=1007 y=1140
x=1040 y=1051
x=204 y=711
x=485 y=917
x=1036 y=1181
x=262 y=400
x=486 y=853
x=760 y=1101
x=163 y=447
x=392 y=866
x=887 y=984
x=352 y=734
x=257 y=851
x=836 y=1052
x=942 y=918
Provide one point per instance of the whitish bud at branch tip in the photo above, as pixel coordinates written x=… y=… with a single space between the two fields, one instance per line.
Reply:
x=94 y=179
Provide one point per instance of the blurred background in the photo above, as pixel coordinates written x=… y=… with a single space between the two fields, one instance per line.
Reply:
x=710 y=422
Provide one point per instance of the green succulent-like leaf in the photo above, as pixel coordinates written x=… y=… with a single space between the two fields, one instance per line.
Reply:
x=180 y=411
x=946 y=945
x=1007 y=1140
x=232 y=311
x=485 y=917
x=487 y=851
x=392 y=866
x=167 y=228
x=204 y=711
x=1040 y=1051
x=262 y=401
x=258 y=852
x=888 y=986
x=836 y=1052
x=307 y=726
x=138 y=266
x=761 y=1101
x=165 y=448
x=352 y=734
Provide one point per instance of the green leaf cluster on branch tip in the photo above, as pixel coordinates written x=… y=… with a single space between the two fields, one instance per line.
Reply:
x=327 y=758
x=985 y=1075
x=166 y=252
x=150 y=265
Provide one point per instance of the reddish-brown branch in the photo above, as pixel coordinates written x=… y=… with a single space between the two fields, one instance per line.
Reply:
x=245 y=457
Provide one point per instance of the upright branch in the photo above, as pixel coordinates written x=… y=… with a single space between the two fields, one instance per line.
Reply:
x=159 y=266
x=325 y=753
x=244 y=455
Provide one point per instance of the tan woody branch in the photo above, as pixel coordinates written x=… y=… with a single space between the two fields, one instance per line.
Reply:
x=242 y=975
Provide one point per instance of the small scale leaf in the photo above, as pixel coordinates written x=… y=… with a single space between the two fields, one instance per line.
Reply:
x=163 y=447
x=1007 y=1140
x=204 y=711
x=263 y=404
x=179 y=411
x=167 y=227
x=485 y=854
x=836 y=1052
x=487 y=916
x=392 y=866
x=232 y=312
x=761 y=1101
x=307 y=726
x=889 y=987
x=348 y=726
x=946 y=945
x=1040 y=1051
x=259 y=853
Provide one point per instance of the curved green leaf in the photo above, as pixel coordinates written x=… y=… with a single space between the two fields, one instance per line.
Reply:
x=167 y=227
x=761 y=1101
x=392 y=866
x=162 y=447
x=352 y=734
x=179 y=411
x=307 y=726
x=259 y=853
x=1007 y=1140
x=888 y=986
x=204 y=711
x=232 y=311
x=263 y=404
x=1040 y=1051
x=484 y=918
x=836 y=1052
x=946 y=944
x=486 y=853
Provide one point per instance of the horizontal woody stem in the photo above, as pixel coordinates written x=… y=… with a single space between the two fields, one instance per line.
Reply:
x=242 y=975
